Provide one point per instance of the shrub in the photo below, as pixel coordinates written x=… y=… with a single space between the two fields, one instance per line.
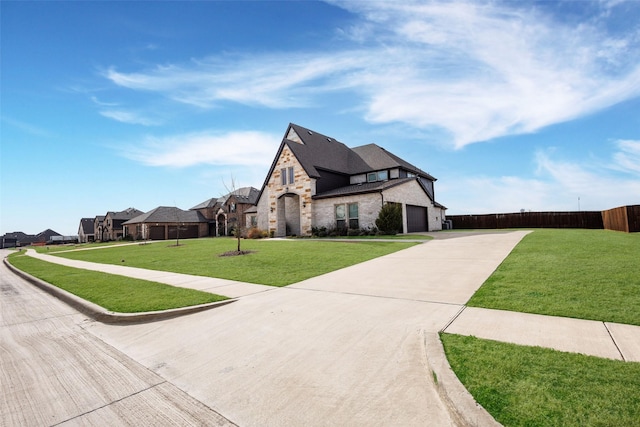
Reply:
x=256 y=233
x=389 y=219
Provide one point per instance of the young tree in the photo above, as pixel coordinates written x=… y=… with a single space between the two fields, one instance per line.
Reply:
x=237 y=230
x=389 y=219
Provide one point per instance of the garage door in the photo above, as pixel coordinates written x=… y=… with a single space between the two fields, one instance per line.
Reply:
x=186 y=232
x=156 y=232
x=416 y=219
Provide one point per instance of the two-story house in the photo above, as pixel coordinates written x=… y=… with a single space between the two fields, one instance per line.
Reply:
x=317 y=181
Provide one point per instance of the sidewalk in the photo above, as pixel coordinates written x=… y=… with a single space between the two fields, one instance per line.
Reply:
x=452 y=280
x=224 y=287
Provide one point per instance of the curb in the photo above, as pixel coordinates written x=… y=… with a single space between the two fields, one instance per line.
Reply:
x=103 y=315
x=462 y=407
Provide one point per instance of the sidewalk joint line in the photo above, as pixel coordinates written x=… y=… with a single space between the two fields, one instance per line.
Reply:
x=614 y=341
x=372 y=296
x=453 y=319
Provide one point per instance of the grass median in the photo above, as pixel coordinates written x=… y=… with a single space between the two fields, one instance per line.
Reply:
x=115 y=293
x=272 y=262
x=533 y=386
x=585 y=274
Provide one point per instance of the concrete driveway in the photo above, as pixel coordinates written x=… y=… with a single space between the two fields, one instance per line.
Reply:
x=345 y=348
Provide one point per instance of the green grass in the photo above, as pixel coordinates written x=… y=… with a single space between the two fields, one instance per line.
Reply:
x=586 y=274
x=274 y=262
x=69 y=247
x=115 y=293
x=382 y=237
x=532 y=386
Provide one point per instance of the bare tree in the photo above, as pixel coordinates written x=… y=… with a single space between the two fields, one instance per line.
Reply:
x=231 y=192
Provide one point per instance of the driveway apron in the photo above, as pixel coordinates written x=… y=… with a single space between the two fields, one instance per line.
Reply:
x=345 y=348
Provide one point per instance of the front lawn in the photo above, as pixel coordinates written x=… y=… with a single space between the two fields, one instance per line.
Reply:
x=585 y=274
x=273 y=262
x=533 y=386
x=115 y=293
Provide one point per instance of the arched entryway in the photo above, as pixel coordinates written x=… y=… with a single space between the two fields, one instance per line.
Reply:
x=288 y=215
x=221 y=222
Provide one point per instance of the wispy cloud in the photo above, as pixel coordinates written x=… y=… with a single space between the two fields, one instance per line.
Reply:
x=557 y=185
x=26 y=127
x=213 y=148
x=475 y=70
x=129 y=117
x=627 y=157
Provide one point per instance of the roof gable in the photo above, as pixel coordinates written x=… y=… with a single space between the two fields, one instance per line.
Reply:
x=167 y=214
x=378 y=158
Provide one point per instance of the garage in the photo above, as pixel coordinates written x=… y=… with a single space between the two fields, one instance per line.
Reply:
x=156 y=232
x=186 y=232
x=416 y=219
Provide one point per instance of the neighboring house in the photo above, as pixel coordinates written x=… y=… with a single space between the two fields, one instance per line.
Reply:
x=18 y=238
x=86 y=231
x=226 y=213
x=164 y=222
x=112 y=224
x=317 y=181
x=98 y=227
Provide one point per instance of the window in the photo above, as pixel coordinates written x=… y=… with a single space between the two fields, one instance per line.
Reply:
x=353 y=216
x=291 y=175
x=283 y=176
x=254 y=221
x=348 y=212
x=377 y=176
x=232 y=208
x=341 y=217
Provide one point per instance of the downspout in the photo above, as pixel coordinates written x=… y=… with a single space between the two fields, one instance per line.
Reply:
x=382 y=199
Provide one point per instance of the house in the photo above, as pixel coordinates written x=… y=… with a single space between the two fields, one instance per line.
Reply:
x=86 y=232
x=98 y=227
x=112 y=224
x=226 y=213
x=18 y=238
x=165 y=222
x=317 y=181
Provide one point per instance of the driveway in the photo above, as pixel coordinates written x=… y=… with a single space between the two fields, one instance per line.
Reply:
x=345 y=348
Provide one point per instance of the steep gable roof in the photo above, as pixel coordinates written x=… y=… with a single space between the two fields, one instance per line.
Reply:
x=86 y=224
x=247 y=195
x=125 y=214
x=167 y=214
x=318 y=151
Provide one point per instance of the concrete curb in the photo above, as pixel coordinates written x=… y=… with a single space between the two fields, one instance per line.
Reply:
x=100 y=314
x=463 y=408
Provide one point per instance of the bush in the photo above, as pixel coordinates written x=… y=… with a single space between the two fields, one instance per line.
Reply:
x=256 y=233
x=389 y=219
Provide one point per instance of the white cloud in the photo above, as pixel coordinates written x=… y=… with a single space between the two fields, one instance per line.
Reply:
x=478 y=70
x=558 y=185
x=129 y=117
x=627 y=158
x=247 y=149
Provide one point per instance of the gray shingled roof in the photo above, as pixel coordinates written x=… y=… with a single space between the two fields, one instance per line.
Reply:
x=168 y=214
x=125 y=214
x=323 y=152
x=378 y=158
x=87 y=225
x=366 y=187
x=247 y=195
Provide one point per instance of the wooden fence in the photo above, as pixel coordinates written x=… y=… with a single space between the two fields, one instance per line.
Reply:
x=584 y=219
x=624 y=218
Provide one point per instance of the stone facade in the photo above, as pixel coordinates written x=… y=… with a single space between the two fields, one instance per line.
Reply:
x=288 y=205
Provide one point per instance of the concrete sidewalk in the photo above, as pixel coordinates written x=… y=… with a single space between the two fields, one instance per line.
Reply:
x=355 y=346
x=228 y=288
x=446 y=270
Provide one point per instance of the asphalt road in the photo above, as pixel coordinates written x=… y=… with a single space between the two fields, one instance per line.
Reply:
x=53 y=372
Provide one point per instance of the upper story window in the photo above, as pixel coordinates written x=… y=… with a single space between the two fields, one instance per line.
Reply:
x=378 y=176
x=283 y=175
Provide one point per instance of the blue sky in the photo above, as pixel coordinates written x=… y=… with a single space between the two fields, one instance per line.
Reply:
x=511 y=105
